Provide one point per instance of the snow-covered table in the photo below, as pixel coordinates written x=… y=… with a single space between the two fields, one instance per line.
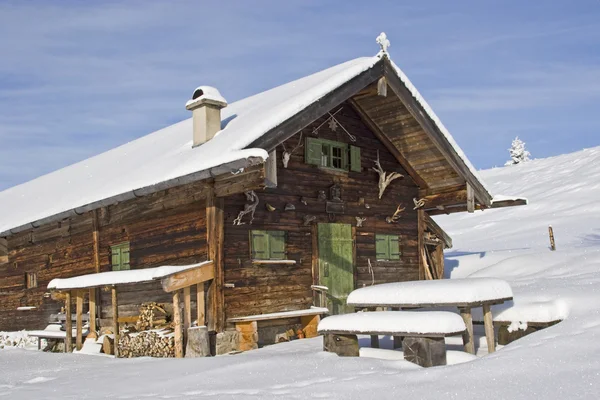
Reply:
x=462 y=293
x=422 y=333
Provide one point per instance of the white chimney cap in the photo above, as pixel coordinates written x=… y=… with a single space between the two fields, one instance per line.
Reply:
x=206 y=95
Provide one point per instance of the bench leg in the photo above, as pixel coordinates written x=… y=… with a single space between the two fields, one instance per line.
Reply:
x=468 y=339
x=39 y=343
x=424 y=351
x=375 y=341
x=488 y=322
x=342 y=345
x=397 y=342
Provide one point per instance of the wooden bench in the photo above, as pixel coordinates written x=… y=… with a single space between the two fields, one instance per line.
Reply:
x=422 y=333
x=56 y=329
x=247 y=327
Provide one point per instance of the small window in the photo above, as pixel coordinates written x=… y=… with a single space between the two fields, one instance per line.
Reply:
x=331 y=154
x=120 y=256
x=268 y=245
x=31 y=280
x=387 y=247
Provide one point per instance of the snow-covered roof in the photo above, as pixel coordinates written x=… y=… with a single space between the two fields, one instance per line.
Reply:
x=166 y=156
x=119 y=277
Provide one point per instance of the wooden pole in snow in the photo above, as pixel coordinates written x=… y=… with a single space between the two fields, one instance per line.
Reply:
x=551 y=233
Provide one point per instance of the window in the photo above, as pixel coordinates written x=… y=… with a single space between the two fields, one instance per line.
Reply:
x=31 y=280
x=387 y=247
x=268 y=245
x=331 y=154
x=120 y=256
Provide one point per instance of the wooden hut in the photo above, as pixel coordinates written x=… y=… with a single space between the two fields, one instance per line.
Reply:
x=295 y=196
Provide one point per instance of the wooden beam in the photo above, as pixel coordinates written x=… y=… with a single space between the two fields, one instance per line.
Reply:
x=470 y=199
x=434 y=201
x=214 y=239
x=420 y=241
x=78 y=319
x=92 y=302
x=187 y=309
x=388 y=144
x=68 y=324
x=463 y=207
x=433 y=131
x=188 y=278
x=115 y=310
x=468 y=339
x=200 y=305
x=252 y=178
x=271 y=169
x=96 y=241
x=178 y=325
x=318 y=108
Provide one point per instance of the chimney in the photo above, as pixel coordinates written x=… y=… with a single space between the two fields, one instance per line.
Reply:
x=206 y=105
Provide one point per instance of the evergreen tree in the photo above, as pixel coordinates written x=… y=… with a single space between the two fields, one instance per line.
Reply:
x=518 y=153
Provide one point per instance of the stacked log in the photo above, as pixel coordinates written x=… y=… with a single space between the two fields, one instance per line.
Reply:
x=152 y=316
x=147 y=344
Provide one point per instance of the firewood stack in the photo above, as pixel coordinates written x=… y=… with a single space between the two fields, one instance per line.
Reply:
x=147 y=344
x=152 y=316
x=152 y=335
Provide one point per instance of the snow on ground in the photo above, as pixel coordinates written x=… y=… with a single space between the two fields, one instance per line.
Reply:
x=561 y=362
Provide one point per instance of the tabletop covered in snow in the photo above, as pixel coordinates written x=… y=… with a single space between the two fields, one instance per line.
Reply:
x=430 y=323
x=446 y=292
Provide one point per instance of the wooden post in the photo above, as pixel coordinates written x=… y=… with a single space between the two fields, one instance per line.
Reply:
x=488 y=322
x=200 y=306
x=420 y=241
x=551 y=233
x=92 y=303
x=375 y=341
x=468 y=339
x=115 y=310
x=187 y=314
x=178 y=325
x=215 y=234
x=68 y=324
x=470 y=199
x=78 y=321
x=248 y=335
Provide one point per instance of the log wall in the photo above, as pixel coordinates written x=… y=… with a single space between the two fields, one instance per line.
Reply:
x=261 y=288
x=165 y=228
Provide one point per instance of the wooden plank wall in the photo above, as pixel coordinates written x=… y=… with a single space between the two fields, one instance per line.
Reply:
x=271 y=288
x=165 y=228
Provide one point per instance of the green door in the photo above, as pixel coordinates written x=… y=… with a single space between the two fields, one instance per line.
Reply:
x=336 y=269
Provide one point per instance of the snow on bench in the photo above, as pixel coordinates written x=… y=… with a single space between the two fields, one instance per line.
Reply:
x=530 y=312
x=446 y=292
x=52 y=331
x=422 y=333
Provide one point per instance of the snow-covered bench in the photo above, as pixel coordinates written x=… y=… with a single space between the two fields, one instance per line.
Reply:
x=465 y=294
x=53 y=332
x=422 y=333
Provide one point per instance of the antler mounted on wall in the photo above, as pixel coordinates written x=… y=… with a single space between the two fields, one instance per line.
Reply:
x=396 y=216
x=287 y=154
x=248 y=208
x=384 y=178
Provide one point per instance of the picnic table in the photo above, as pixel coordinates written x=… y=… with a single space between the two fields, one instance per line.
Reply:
x=464 y=294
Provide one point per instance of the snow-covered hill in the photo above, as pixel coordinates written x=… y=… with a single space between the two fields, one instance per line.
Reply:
x=561 y=362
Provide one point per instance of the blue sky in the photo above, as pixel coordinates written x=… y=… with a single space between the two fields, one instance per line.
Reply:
x=78 y=78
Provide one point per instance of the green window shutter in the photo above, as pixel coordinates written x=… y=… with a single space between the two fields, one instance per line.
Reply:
x=355 y=159
x=394 y=246
x=382 y=248
x=277 y=245
x=313 y=151
x=115 y=258
x=260 y=245
x=125 y=256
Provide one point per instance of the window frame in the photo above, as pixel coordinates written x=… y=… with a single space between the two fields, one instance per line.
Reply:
x=348 y=158
x=270 y=244
x=121 y=265
x=31 y=280
x=387 y=240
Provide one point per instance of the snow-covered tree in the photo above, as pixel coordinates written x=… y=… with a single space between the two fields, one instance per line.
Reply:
x=518 y=153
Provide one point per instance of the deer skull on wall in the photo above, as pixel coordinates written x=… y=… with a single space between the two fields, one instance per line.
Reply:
x=288 y=154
